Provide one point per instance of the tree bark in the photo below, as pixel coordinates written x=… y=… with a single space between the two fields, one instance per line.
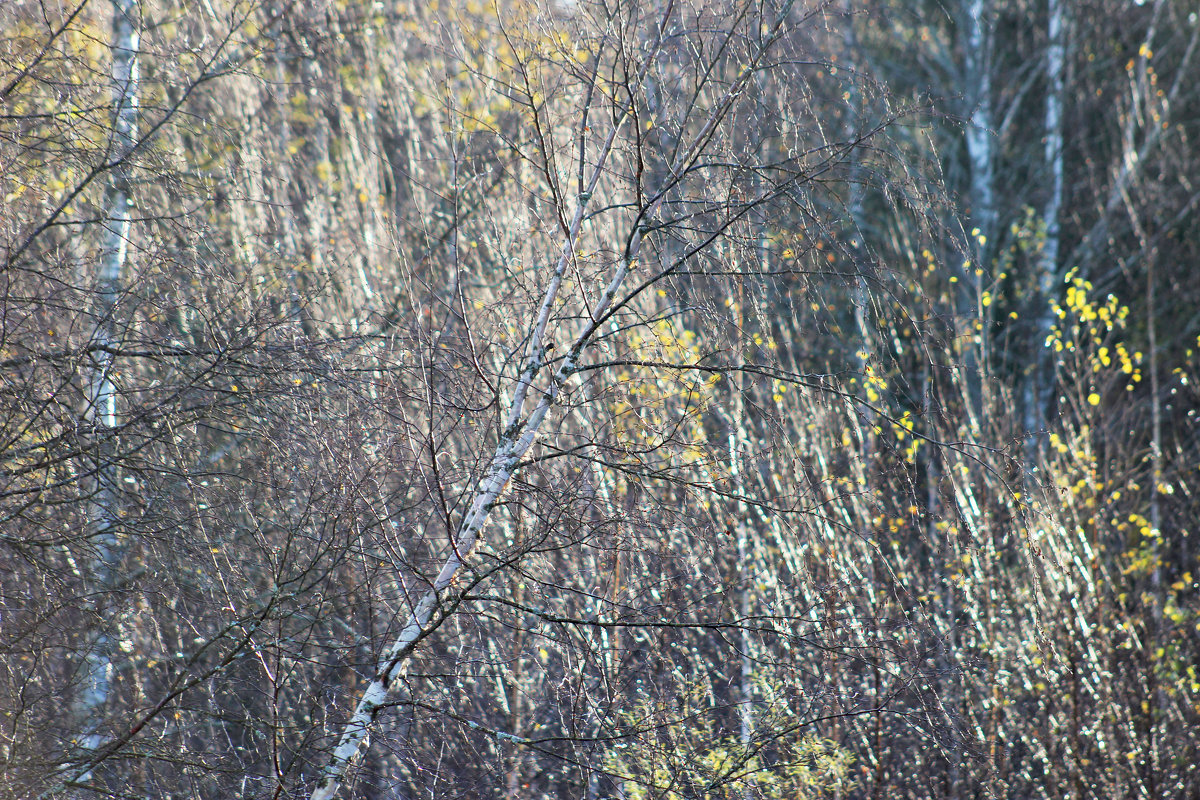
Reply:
x=101 y=392
x=1039 y=388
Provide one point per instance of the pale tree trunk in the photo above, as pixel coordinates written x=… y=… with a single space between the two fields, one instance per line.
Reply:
x=103 y=515
x=980 y=142
x=979 y=133
x=516 y=438
x=520 y=430
x=745 y=567
x=1039 y=389
x=287 y=236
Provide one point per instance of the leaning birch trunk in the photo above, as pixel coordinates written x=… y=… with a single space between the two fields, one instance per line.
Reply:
x=518 y=434
x=515 y=440
x=1040 y=386
x=101 y=412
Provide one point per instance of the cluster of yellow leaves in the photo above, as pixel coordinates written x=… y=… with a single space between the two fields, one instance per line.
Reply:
x=687 y=753
x=655 y=402
x=903 y=429
x=1084 y=328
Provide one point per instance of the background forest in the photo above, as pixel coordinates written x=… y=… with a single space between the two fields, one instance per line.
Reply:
x=599 y=399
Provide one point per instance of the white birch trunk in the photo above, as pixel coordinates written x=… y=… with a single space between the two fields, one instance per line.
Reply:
x=515 y=440
x=745 y=571
x=979 y=134
x=1040 y=387
x=980 y=142
x=101 y=412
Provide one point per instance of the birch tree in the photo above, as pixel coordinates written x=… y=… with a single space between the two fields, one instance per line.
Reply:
x=110 y=408
x=606 y=170
x=101 y=400
x=1040 y=385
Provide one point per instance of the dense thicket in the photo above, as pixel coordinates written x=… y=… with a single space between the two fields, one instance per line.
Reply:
x=585 y=399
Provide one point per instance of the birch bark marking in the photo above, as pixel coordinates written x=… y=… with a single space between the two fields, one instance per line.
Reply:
x=101 y=411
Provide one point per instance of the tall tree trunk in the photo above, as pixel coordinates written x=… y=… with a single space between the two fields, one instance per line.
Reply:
x=1039 y=388
x=745 y=569
x=980 y=143
x=103 y=515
